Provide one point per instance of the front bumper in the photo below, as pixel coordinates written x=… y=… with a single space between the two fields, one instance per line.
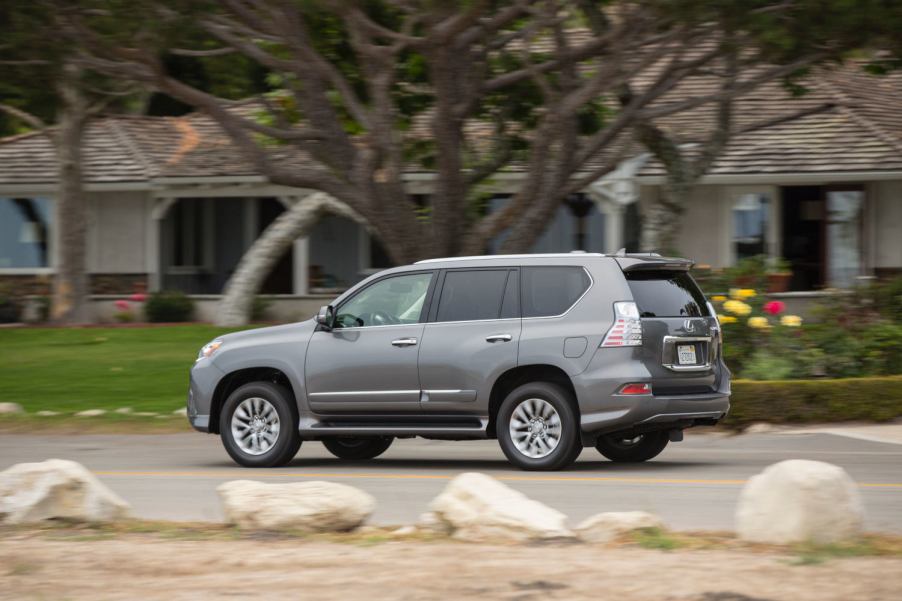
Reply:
x=204 y=378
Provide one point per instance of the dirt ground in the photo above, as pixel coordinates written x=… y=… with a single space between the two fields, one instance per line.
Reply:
x=96 y=565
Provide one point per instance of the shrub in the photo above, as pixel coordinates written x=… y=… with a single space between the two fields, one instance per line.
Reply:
x=10 y=311
x=259 y=308
x=171 y=306
x=815 y=401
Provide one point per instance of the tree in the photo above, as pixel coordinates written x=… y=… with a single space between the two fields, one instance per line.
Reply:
x=365 y=92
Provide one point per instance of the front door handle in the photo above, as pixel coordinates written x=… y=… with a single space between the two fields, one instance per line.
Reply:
x=498 y=338
x=404 y=342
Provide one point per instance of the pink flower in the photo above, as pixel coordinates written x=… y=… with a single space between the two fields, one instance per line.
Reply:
x=122 y=305
x=774 y=307
x=138 y=297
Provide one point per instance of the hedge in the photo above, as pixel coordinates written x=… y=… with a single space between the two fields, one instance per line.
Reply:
x=873 y=399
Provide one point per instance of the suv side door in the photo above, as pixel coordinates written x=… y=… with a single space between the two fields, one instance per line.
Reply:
x=471 y=337
x=368 y=361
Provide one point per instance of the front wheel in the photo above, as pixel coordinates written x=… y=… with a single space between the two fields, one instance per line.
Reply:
x=632 y=449
x=258 y=425
x=357 y=448
x=538 y=428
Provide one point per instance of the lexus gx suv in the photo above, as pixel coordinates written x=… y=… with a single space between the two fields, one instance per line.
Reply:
x=546 y=353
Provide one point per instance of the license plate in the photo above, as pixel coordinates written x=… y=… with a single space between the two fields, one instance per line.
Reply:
x=686 y=354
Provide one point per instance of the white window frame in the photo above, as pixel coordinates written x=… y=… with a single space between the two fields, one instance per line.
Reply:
x=53 y=259
x=774 y=239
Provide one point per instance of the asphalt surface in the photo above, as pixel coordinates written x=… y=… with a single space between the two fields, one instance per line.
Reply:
x=692 y=485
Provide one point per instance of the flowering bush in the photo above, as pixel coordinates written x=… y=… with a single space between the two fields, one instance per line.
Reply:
x=124 y=313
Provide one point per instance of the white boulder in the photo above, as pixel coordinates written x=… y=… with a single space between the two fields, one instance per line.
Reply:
x=306 y=506
x=10 y=408
x=478 y=507
x=57 y=488
x=90 y=413
x=47 y=413
x=799 y=500
x=608 y=526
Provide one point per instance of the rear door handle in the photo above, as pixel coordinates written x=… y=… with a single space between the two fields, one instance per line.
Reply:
x=404 y=342
x=498 y=338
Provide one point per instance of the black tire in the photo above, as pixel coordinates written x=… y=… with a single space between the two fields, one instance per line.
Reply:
x=569 y=446
x=632 y=450
x=288 y=440
x=355 y=448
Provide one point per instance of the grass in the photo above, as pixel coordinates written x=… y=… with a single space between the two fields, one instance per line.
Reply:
x=656 y=538
x=72 y=369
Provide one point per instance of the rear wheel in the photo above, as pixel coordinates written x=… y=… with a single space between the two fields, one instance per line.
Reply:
x=632 y=449
x=258 y=425
x=357 y=448
x=538 y=428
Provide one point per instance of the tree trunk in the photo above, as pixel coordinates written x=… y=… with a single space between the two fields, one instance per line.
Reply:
x=70 y=285
x=258 y=261
x=661 y=221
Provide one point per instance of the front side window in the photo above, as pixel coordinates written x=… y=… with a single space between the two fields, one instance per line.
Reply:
x=392 y=301
x=25 y=232
x=472 y=295
x=666 y=294
x=751 y=214
x=550 y=291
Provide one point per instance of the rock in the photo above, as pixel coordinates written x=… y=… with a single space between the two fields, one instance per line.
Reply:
x=47 y=413
x=11 y=408
x=605 y=527
x=183 y=412
x=146 y=414
x=799 y=500
x=404 y=531
x=124 y=410
x=478 y=507
x=760 y=428
x=57 y=488
x=430 y=522
x=307 y=506
x=90 y=413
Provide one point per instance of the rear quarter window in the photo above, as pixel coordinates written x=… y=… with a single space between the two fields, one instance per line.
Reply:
x=549 y=291
x=667 y=294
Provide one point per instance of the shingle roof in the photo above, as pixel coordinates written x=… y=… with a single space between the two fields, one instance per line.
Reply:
x=849 y=121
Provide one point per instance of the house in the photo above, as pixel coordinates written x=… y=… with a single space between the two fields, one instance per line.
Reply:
x=172 y=203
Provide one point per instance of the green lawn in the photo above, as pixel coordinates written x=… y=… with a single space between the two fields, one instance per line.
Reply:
x=69 y=370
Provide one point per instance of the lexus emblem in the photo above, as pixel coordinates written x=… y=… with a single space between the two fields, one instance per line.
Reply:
x=688 y=325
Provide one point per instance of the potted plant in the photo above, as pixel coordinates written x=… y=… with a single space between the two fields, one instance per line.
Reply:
x=779 y=275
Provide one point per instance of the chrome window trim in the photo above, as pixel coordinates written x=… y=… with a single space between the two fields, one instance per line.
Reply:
x=570 y=308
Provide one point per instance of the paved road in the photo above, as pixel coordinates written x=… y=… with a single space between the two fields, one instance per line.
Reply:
x=693 y=484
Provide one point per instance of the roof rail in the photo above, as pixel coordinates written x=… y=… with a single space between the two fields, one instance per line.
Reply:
x=521 y=256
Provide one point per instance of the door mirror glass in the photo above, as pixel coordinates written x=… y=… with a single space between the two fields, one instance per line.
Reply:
x=325 y=316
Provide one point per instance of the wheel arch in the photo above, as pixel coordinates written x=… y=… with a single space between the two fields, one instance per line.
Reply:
x=239 y=377
x=523 y=374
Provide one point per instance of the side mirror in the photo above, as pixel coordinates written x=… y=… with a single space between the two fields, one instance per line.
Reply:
x=325 y=317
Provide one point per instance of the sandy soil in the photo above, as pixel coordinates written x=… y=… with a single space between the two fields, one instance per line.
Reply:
x=154 y=566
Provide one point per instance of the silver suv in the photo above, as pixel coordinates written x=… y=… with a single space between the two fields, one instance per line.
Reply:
x=546 y=353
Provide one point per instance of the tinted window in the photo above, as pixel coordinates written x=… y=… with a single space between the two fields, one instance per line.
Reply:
x=395 y=300
x=469 y=295
x=551 y=291
x=666 y=294
x=510 y=307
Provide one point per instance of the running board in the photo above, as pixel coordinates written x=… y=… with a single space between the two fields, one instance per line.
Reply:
x=469 y=428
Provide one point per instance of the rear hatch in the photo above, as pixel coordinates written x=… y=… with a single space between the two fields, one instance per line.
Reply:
x=680 y=335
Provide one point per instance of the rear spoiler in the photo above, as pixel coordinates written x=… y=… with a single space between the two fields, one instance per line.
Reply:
x=652 y=262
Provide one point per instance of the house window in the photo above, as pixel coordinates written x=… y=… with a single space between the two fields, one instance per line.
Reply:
x=844 y=208
x=191 y=221
x=25 y=233
x=751 y=215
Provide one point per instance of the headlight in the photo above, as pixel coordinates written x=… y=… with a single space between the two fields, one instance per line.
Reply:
x=208 y=349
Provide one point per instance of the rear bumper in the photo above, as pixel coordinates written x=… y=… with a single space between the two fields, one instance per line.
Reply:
x=652 y=412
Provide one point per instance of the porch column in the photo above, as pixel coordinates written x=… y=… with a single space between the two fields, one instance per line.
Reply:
x=301 y=261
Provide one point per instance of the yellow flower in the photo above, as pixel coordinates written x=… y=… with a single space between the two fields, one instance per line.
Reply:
x=737 y=307
x=726 y=319
x=746 y=293
x=793 y=321
x=718 y=298
x=758 y=322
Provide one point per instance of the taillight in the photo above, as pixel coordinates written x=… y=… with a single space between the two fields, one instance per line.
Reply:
x=636 y=388
x=627 y=328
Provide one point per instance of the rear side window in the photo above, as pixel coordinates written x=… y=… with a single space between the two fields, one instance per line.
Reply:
x=667 y=294
x=549 y=291
x=472 y=295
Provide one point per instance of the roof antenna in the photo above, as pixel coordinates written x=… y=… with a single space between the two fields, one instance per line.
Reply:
x=621 y=252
